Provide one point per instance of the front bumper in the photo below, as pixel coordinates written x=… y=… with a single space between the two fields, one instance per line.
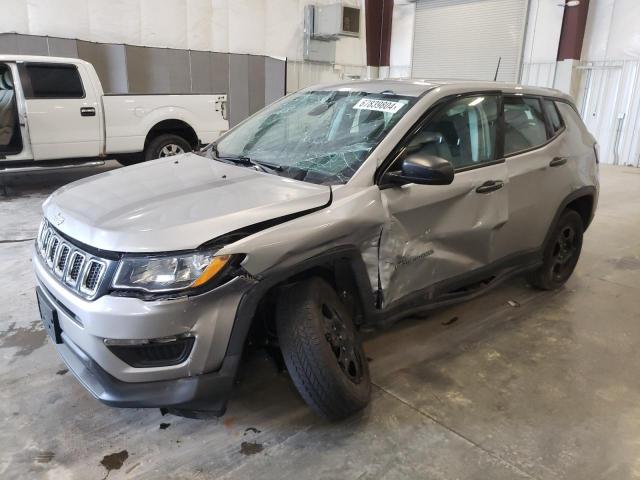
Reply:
x=203 y=393
x=201 y=382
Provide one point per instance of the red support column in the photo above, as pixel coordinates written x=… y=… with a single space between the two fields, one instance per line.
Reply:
x=574 y=23
x=378 y=16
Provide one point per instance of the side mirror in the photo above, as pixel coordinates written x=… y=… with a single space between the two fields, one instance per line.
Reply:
x=422 y=169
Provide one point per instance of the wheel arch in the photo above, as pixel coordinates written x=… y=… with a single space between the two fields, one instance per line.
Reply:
x=342 y=267
x=173 y=126
x=584 y=205
x=583 y=201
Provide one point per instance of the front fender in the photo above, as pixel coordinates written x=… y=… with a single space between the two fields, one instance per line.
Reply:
x=346 y=255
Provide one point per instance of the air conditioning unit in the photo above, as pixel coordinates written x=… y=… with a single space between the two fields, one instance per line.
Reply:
x=334 y=20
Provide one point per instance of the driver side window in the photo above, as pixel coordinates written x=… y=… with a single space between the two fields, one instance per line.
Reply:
x=463 y=132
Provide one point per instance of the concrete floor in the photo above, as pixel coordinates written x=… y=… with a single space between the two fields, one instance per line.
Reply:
x=546 y=389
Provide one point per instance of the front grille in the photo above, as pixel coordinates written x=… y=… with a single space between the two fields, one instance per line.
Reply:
x=61 y=262
x=77 y=261
x=77 y=269
x=52 y=249
x=92 y=276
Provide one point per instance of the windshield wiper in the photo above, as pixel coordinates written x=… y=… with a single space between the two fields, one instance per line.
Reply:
x=244 y=160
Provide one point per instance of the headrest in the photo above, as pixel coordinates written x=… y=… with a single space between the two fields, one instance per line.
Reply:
x=515 y=117
x=371 y=116
x=7 y=80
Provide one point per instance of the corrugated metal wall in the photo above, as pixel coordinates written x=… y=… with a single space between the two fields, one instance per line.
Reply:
x=608 y=101
x=538 y=74
x=250 y=81
x=465 y=38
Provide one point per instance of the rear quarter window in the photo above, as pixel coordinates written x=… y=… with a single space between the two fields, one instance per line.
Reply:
x=53 y=81
x=553 y=116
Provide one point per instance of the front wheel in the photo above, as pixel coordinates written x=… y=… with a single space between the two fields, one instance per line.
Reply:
x=561 y=253
x=322 y=350
x=166 y=145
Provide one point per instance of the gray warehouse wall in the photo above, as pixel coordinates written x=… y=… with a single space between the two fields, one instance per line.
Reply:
x=110 y=63
x=250 y=81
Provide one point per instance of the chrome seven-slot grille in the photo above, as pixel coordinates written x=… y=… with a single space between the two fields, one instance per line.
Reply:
x=77 y=269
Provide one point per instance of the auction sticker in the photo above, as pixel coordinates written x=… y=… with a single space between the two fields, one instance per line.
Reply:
x=378 y=105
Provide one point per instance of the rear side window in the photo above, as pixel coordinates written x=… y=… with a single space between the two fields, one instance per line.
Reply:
x=553 y=116
x=53 y=81
x=524 y=125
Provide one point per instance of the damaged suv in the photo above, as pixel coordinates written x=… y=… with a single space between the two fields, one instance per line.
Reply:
x=335 y=208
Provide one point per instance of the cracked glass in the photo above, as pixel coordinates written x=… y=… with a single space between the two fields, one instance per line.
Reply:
x=316 y=136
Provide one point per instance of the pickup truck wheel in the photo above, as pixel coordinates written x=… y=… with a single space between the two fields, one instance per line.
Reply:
x=561 y=253
x=322 y=350
x=166 y=145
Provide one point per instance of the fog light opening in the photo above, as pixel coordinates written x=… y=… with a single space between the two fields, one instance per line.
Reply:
x=156 y=352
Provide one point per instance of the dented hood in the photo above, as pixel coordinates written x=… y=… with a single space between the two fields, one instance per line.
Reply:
x=176 y=203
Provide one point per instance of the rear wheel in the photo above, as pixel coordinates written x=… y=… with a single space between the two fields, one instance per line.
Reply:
x=166 y=145
x=322 y=350
x=561 y=253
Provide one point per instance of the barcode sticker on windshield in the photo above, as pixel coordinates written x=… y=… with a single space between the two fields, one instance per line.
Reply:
x=378 y=105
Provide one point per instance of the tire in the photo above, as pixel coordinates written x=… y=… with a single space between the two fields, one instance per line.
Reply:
x=166 y=145
x=314 y=331
x=561 y=253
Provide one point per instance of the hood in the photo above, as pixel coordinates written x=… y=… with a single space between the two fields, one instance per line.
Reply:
x=175 y=203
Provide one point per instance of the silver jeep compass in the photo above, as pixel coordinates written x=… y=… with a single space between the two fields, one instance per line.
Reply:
x=335 y=208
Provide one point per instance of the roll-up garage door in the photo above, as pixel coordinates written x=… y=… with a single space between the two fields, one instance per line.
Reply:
x=465 y=38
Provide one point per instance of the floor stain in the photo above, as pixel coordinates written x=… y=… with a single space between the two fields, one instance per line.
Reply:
x=44 y=456
x=625 y=263
x=250 y=448
x=164 y=426
x=62 y=372
x=457 y=399
x=114 y=461
x=252 y=429
x=229 y=422
x=26 y=339
x=450 y=321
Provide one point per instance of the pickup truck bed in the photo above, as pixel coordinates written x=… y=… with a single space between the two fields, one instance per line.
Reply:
x=129 y=118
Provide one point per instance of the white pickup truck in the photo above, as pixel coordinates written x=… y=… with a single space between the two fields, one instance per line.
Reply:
x=54 y=109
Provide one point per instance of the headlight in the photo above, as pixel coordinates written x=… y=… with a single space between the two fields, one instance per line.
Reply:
x=168 y=273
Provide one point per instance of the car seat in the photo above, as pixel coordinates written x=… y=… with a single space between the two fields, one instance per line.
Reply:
x=519 y=133
x=434 y=142
x=371 y=123
x=7 y=109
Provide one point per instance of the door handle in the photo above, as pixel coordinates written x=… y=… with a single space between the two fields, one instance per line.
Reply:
x=558 y=161
x=490 y=186
x=88 y=111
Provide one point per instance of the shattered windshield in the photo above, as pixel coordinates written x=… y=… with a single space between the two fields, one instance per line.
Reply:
x=316 y=136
